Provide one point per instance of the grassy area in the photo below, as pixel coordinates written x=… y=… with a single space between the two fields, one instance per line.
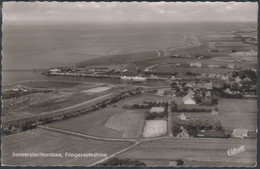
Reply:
x=52 y=97
x=146 y=97
x=196 y=150
x=50 y=84
x=92 y=124
x=95 y=123
x=238 y=113
x=40 y=140
x=130 y=123
x=154 y=128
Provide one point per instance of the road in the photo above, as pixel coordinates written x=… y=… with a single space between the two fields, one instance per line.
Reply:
x=170 y=129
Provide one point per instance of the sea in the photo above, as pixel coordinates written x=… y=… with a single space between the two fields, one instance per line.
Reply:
x=29 y=50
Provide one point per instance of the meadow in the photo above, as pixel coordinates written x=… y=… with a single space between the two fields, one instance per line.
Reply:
x=45 y=141
x=197 y=151
x=238 y=113
x=154 y=128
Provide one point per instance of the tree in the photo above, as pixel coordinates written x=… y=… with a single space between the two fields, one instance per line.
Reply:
x=174 y=85
x=122 y=162
x=214 y=101
x=189 y=73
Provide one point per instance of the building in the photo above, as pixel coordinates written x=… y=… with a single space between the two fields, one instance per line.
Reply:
x=195 y=64
x=183 y=117
x=190 y=84
x=188 y=99
x=55 y=70
x=213 y=66
x=100 y=69
x=183 y=133
x=160 y=92
x=224 y=77
x=157 y=110
x=214 y=112
x=177 y=64
x=247 y=80
x=231 y=66
x=241 y=133
x=237 y=79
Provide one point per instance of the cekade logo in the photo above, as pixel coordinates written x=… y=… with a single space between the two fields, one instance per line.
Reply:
x=234 y=151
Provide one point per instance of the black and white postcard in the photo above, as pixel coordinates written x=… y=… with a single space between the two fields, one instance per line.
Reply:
x=129 y=84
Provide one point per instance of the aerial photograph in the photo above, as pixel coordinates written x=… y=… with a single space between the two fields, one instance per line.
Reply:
x=129 y=84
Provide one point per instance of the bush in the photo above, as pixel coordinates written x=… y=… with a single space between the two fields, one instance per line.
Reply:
x=122 y=162
x=176 y=130
x=179 y=162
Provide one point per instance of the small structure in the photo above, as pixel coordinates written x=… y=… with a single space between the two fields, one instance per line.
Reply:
x=160 y=92
x=183 y=117
x=55 y=70
x=173 y=163
x=224 y=77
x=157 y=110
x=213 y=66
x=177 y=64
x=214 y=112
x=99 y=69
x=247 y=80
x=208 y=85
x=190 y=84
x=241 y=133
x=188 y=99
x=237 y=79
x=195 y=64
x=183 y=134
x=231 y=66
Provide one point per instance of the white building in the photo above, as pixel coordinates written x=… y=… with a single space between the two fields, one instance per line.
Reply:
x=195 y=64
x=213 y=66
x=183 y=117
x=160 y=92
x=188 y=99
x=231 y=66
x=157 y=110
x=183 y=134
x=241 y=133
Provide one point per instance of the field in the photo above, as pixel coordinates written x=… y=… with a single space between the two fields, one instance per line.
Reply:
x=130 y=123
x=238 y=113
x=98 y=89
x=197 y=151
x=92 y=123
x=113 y=121
x=192 y=117
x=40 y=140
x=154 y=128
x=45 y=96
x=51 y=84
x=146 y=97
x=101 y=122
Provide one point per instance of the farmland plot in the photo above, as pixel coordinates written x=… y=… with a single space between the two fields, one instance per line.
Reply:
x=98 y=89
x=147 y=97
x=196 y=150
x=131 y=124
x=238 y=113
x=92 y=123
x=154 y=128
x=44 y=141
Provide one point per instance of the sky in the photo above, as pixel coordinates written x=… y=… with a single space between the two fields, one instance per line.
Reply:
x=102 y=12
